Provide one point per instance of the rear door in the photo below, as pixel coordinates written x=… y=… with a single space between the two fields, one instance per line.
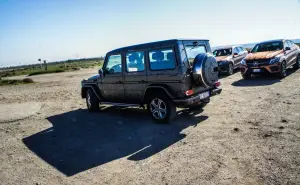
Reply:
x=135 y=79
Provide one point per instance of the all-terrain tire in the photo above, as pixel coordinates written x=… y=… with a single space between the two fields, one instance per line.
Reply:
x=92 y=101
x=161 y=108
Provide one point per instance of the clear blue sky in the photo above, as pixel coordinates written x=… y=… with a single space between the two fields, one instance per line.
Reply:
x=63 y=29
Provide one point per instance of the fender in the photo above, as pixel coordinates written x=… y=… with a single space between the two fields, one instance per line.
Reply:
x=162 y=87
x=93 y=87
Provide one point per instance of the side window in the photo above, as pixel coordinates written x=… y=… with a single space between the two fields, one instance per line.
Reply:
x=114 y=64
x=291 y=44
x=235 y=50
x=162 y=59
x=242 y=49
x=135 y=61
x=285 y=44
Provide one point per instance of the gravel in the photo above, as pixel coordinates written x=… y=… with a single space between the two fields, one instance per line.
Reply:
x=238 y=138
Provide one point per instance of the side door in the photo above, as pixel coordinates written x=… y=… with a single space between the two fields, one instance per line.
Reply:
x=288 y=53
x=236 y=56
x=294 y=53
x=135 y=78
x=112 y=81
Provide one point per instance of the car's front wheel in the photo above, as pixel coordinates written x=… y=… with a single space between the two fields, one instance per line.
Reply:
x=246 y=76
x=92 y=101
x=297 y=64
x=283 y=72
x=161 y=108
x=230 y=69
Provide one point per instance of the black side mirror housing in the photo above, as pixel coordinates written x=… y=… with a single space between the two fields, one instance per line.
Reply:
x=100 y=72
x=235 y=54
x=287 y=48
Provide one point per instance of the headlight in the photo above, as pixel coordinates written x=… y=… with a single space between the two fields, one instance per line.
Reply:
x=243 y=62
x=274 y=60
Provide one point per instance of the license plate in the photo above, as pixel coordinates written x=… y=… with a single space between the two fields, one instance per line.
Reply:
x=204 y=95
x=256 y=70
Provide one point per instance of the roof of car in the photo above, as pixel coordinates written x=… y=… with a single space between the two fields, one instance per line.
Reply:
x=275 y=40
x=153 y=44
x=227 y=47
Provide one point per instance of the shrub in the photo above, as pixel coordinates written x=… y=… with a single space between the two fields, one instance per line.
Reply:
x=28 y=80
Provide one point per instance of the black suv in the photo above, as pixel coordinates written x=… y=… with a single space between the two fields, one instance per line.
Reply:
x=162 y=75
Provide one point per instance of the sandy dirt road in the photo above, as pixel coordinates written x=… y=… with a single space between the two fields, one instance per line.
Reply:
x=250 y=134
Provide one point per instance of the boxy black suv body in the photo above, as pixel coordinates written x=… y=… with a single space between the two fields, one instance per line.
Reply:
x=163 y=75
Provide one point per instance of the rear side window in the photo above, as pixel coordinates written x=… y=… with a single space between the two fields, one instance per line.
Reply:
x=135 y=62
x=162 y=59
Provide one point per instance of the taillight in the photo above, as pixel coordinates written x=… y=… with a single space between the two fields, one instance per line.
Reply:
x=189 y=92
x=218 y=84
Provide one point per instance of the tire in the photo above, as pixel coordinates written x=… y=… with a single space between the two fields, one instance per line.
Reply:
x=92 y=101
x=230 y=69
x=282 y=73
x=156 y=104
x=205 y=70
x=246 y=76
x=297 y=64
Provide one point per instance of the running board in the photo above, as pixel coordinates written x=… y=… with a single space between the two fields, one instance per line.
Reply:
x=121 y=104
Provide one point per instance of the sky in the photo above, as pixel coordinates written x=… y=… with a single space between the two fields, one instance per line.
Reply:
x=64 y=29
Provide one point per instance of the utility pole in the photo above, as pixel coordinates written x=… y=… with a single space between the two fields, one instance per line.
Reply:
x=45 y=64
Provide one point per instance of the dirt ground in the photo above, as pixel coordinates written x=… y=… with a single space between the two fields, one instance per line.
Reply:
x=250 y=134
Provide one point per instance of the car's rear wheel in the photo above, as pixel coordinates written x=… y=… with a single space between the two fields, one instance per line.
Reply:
x=297 y=64
x=161 y=108
x=230 y=69
x=92 y=101
x=283 y=71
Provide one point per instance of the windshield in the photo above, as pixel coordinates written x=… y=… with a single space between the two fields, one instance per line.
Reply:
x=268 y=46
x=222 y=52
x=193 y=50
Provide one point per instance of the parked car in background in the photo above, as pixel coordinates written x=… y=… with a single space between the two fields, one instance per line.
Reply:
x=229 y=58
x=273 y=56
x=162 y=75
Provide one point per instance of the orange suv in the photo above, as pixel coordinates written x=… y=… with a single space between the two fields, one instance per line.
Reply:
x=273 y=56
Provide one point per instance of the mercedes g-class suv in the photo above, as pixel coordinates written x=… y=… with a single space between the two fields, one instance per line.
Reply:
x=229 y=58
x=162 y=75
x=273 y=56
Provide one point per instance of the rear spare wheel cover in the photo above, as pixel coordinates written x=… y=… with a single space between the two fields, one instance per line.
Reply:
x=205 y=70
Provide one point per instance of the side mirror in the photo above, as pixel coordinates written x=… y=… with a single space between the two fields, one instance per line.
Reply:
x=235 y=54
x=100 y=72
x=287 y=48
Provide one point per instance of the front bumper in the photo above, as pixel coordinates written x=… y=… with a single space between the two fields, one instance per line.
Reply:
x=274 y=68
x=194 y=100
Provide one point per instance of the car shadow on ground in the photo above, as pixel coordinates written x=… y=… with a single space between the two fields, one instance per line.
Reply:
x=260 y=80
x=79 y=140
x=223 y=75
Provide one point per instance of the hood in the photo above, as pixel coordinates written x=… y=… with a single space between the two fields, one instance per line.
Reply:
x=222 y=58
x=93 y=77
x=263 y=55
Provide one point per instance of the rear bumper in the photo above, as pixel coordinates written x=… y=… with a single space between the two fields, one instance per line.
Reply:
x=275 y=68
x=194 y=100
